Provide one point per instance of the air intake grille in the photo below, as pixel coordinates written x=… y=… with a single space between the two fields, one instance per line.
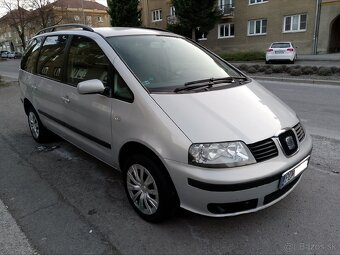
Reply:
x=299 y=131
x=263 y=150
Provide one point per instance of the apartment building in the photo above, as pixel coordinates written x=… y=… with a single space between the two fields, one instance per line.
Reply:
x=251 y=25
x=86 y=12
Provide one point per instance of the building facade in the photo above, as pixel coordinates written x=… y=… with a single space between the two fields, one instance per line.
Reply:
x=85 y=12
x=251 y=25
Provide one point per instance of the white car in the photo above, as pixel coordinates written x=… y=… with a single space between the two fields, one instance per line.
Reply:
x=281 y=51
x=185 y=127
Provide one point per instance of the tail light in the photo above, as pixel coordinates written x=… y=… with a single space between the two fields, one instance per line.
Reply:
x=290 y=49
x=269 y=50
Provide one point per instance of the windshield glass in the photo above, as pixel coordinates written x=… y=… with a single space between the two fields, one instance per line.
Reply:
x=163 y=63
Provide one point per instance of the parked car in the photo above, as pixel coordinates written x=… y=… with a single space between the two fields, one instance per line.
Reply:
x=281 y=51
x=185 y=127
x=4 y=53
x=14 y=54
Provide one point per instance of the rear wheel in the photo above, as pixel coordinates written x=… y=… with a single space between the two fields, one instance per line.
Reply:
x=149 y=188
x=38 y=131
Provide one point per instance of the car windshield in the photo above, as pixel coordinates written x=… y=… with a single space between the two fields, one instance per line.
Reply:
x=163 y=63
x=281 y=45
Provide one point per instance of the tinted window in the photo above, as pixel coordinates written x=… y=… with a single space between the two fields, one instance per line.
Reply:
x=162 y=62
x=86 y=61
x=281 y=45
x=51 y=59
x=29 y=60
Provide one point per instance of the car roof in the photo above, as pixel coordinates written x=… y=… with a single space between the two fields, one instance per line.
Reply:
x=124 y=31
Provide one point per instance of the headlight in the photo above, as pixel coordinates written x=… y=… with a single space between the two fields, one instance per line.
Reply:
x=228 y=154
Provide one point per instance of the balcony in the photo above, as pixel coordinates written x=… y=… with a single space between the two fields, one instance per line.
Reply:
x=227 y=10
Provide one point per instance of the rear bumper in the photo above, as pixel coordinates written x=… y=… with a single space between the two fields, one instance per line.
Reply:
x=234 y=191
x=285 y=56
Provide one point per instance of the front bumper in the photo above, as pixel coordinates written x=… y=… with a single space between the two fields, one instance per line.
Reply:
x=239 y=190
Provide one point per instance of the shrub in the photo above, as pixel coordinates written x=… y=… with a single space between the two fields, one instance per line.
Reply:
x=268 y=71
x=277 y=69
x=295 y=72
x=244 y=56
x=307 y=70
x=252 y=70
x=284 y=67
x=256 y=66
x=334 y=69
x=262 y=69
x=315 y=69
x=325 y=71
x=244 y=67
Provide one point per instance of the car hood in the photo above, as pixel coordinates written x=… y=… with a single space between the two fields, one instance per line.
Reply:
x=249 y=113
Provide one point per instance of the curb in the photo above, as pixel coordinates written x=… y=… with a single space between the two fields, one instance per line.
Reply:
x=293 y=80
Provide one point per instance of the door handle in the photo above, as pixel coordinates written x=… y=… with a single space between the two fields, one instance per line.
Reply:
x=66 y=99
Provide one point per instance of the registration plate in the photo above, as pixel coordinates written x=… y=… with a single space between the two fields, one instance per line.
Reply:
x=279 y=52
x=290 y=175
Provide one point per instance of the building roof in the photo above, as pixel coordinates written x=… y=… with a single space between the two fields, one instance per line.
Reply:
x=79 y=4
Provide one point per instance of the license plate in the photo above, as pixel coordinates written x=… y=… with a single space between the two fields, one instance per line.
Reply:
x=279 y=52
x=290 y=175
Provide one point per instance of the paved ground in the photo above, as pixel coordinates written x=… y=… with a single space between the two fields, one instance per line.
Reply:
x=68 y=202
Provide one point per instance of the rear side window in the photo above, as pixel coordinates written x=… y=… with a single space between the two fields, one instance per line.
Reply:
x=86 y=61
x=29 y=60
x=51 y=60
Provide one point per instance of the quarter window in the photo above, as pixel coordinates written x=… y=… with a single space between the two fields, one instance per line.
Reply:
x=51 y=59
x=157 y=15
x=257 y=27
x=121 y=90
x=86 y=61
x=226 y=30
x=295 y=23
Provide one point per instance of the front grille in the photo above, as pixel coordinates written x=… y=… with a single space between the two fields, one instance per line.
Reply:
x=299 y=131
x=263 y=150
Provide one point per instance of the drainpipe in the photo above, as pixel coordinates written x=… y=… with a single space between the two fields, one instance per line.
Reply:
x=316 y=27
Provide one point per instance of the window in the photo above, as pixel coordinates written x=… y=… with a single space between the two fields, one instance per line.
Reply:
x=89 y=20
x=121 y=90
x=257 y=27
x=257 y=1
x=172 y=11
x=76 y=18
x=51 y=59
x=100 y=19
x=202 y=36
x=226 y=30
x=295 y=23
x=29 y=59
x=157 y=15
x=226 y=6
x=86 y=61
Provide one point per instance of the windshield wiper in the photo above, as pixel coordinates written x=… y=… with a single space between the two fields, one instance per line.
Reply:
x=210 y=81
x=188 y=87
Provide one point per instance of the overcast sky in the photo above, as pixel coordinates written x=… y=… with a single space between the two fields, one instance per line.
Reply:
x=4 y=11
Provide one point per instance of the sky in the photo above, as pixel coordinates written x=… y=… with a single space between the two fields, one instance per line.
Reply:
x=4 y=11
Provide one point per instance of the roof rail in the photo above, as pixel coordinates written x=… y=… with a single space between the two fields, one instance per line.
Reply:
x=53 y=28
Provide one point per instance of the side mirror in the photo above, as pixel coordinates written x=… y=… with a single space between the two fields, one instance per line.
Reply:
x=90 y=87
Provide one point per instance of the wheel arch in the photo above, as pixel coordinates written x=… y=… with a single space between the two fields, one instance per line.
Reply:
x=27 y=105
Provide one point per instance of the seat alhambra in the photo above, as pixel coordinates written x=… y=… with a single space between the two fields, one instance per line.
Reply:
x=186 y=128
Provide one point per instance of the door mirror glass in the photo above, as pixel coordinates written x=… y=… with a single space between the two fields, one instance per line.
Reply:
x=90 y=87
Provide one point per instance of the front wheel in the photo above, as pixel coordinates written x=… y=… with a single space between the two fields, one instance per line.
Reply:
x=149 y=188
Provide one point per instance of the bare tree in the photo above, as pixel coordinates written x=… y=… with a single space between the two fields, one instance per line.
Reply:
x=17 y=17
x=44 y=13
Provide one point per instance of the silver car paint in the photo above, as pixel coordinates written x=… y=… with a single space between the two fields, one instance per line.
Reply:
x=169 y=124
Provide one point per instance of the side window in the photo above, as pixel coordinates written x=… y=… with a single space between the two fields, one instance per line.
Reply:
x=86 y=61
x=29 y=60
x=121 y=90
x=51 y=60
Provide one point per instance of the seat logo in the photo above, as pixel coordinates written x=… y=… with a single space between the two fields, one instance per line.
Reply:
x=290 y=143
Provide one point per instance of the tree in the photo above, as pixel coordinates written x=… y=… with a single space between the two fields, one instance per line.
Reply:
x=17 y=17
x=43 y=11
x=197 y=14
x=124 y=13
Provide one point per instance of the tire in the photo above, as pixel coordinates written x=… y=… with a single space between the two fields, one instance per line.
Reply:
x=149 y=188
x=39 y=133
x=267 y=61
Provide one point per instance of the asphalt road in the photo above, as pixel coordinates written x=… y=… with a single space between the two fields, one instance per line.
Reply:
x=67 y=202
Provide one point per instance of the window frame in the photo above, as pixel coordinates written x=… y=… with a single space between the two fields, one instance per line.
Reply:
x=291 y=30
x=254 y=26
x=156 y=15
x=257 y=2
x=229 y=30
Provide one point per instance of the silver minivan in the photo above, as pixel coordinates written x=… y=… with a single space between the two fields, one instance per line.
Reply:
x=186 y=128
